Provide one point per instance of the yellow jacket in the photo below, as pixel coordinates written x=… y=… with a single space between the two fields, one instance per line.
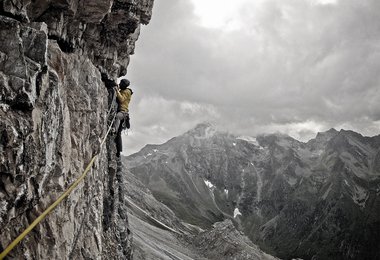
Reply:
x=124 y=97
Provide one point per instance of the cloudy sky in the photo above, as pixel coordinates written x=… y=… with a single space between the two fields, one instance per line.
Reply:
x=256 y=66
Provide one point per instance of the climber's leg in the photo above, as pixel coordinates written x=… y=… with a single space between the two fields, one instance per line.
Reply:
x=119 y=117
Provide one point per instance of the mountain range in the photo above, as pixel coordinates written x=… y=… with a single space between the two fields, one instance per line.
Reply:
x=311 y=200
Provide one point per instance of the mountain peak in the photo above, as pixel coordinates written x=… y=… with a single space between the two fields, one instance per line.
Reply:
x=203 y=125
x=322 y=138
x=350 y=133
x=203 y=129
x=327 y=135
x=332 y=131
x=277 y=139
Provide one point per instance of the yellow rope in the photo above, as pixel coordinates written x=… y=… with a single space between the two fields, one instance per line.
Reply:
x=55 y=204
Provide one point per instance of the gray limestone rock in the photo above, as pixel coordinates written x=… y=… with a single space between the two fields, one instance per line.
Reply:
x=55 y=57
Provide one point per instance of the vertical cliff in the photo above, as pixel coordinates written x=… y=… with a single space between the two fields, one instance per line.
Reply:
x=56 y=59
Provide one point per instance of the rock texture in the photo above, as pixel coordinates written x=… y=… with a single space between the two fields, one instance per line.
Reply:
x=57 y=58
x=314 y=200
x=225 y=242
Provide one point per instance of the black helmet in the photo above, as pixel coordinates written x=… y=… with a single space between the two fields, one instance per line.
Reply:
x=124 y=83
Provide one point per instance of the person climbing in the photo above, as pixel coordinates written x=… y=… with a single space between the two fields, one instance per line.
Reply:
x=123 y=96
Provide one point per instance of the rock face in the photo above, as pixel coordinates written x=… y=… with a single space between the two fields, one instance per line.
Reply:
x=315 y=200
x=225 y=242
x=57 y=58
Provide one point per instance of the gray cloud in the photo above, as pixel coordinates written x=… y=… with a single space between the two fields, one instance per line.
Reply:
x=295 y=66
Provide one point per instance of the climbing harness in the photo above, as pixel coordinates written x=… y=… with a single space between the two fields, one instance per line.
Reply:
x=126 y=132
x=125 y=124
x=64 y=195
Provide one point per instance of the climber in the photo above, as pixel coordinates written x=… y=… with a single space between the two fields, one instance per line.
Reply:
x=122 y=117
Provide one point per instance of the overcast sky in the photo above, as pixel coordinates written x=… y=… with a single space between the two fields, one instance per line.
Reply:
x=256 y=66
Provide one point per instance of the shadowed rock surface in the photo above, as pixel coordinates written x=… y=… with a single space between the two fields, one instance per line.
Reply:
x=314 y=200
x=56 y=61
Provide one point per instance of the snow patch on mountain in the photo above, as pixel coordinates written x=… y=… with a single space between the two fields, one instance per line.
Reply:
x=249 y=139
x=209 y=184
x=237 y=212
